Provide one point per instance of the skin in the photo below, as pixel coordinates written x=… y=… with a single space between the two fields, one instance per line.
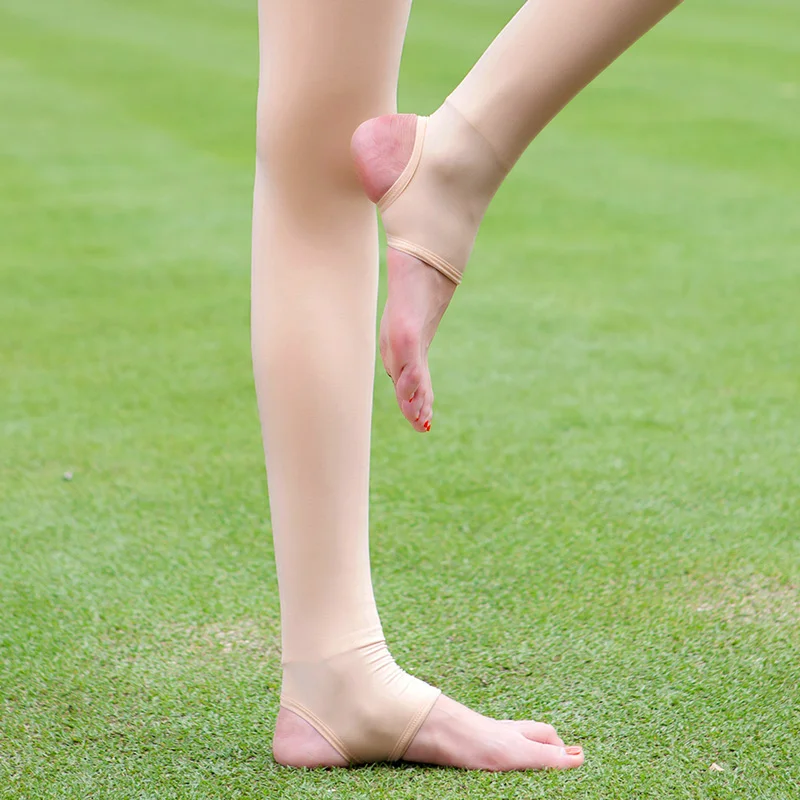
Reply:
x=452 y=735
x=418 y=295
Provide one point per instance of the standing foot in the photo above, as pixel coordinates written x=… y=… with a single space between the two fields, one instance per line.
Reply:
x=451 y=736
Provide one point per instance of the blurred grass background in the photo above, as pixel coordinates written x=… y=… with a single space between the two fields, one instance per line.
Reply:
x=602 y=531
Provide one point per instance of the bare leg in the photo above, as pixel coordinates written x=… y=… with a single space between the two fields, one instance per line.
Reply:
x=327 y=66
x=540 y=61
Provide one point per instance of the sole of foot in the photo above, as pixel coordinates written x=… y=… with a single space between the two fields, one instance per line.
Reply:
x=451 y=736
x=418 y=295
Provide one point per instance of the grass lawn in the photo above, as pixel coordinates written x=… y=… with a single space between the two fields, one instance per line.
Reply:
x=602 y=530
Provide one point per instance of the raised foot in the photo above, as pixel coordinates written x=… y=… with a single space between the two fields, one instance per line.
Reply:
x=418 y=295
x=451 y=736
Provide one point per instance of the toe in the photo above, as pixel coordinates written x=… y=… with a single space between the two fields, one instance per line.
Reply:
x=414 y=407
x=410 y=392
x=538 y=732
x=426 y=413
x=550 y=756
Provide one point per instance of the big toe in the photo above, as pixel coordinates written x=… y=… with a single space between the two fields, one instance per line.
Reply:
x=537 y=731
x=548 y=756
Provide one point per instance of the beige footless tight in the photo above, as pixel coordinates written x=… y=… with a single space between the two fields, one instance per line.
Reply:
x=544 y=56
x=326 y=66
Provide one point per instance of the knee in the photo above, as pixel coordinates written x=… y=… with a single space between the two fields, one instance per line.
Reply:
x=305 y=139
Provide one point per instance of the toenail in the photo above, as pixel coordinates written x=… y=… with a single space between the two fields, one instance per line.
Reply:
x=574 y=750
x=427 y=425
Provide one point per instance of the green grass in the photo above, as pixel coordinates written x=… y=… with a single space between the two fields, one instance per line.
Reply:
x=603 y=529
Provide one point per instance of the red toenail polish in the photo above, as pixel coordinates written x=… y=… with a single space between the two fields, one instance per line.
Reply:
x=427 y=425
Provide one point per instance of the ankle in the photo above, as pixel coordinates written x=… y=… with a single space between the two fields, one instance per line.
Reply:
x=363 y=704
x=463 y=160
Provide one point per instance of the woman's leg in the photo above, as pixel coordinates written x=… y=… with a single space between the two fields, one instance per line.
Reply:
x=327 y=65
x=451 y=165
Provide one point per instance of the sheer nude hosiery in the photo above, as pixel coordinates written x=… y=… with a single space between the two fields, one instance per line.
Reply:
x=327 y=66
x=545 y=55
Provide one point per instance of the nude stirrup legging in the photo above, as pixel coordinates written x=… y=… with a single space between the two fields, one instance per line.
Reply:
x=548 y=52
x=327 y=66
